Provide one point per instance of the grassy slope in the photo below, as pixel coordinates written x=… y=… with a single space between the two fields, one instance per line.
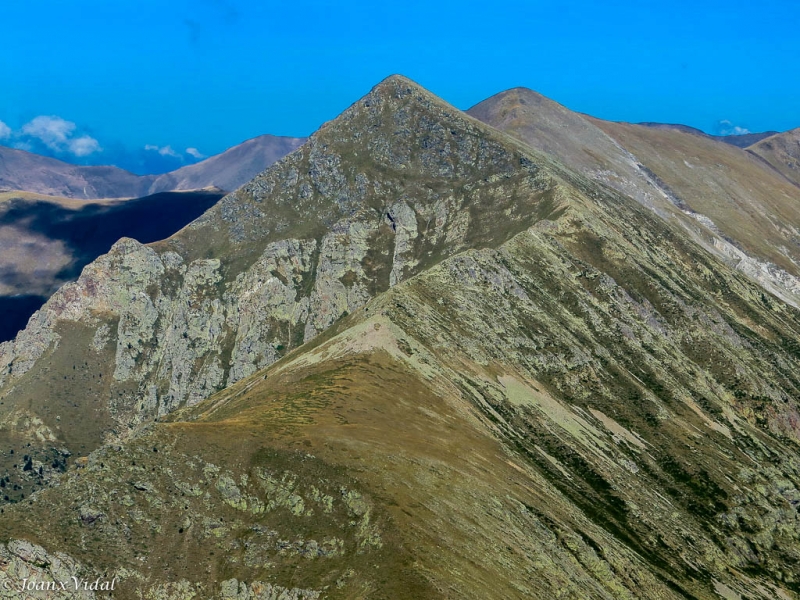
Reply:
x=680 y=175
x=781 y=151
x=747 y=200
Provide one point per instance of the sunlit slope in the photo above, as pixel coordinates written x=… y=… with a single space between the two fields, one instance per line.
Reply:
x=728 y=200
x=782 y=151
x=747 y=201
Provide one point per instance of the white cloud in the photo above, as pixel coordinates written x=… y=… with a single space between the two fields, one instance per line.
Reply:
x=53 y=132
x=5 y=131
x=84 y=146
x=195 y=153
x=728 y=128
x=165 y=151
x=58 y=135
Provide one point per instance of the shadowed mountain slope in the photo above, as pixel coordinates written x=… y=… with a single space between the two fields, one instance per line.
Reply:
x=20 y=170
x=46 y=242
x=782 y=151
x=414 y=359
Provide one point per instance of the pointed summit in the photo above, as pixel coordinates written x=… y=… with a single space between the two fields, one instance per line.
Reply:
x=568 y=137
x=399 y=141
x=547 y=126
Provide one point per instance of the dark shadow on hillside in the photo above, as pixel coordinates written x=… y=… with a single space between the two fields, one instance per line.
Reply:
x=91 y=231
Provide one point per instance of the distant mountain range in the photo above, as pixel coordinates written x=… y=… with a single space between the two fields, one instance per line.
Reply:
x=20 y=170
x=740 y=141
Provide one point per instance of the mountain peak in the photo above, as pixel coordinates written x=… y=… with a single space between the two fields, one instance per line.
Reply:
x=395 y=80
x=511 y=98
x=397 y=133
x=394 y=89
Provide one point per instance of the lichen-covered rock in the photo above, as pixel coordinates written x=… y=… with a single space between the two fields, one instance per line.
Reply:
x=232 y=589
x=28 y=571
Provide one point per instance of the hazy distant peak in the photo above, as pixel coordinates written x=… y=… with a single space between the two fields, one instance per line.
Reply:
x=21 y=170
x=739 y=140
x=230 y=169
x=518 y=96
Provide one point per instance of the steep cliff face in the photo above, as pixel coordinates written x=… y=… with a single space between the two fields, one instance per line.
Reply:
x=398 y=182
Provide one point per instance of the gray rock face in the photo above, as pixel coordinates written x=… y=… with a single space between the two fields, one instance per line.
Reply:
x=233 y=589
x=28 y=571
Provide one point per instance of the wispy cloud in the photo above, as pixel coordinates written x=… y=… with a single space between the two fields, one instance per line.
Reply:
x=195 y=153
x=53 y=136
x=56 y=134
x=163 y=150
x=53 y=132
x=725 y=127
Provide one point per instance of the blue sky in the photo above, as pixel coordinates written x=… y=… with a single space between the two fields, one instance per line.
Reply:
x=147 y=80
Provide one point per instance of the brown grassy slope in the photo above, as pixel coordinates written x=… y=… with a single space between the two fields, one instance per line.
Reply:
x=71 y=203
x=672 y=172
x=747 y=200
x=742 y=140
x=782 y=151
x=450 y=512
